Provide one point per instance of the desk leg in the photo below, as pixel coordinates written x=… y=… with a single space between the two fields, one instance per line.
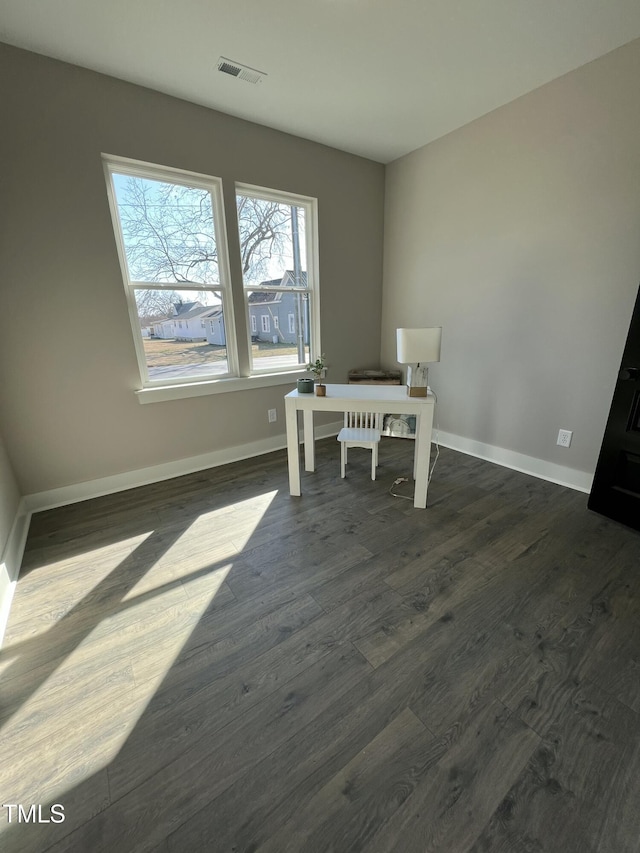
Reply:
x=422 y=457
x=309 y=441
x=293 y=446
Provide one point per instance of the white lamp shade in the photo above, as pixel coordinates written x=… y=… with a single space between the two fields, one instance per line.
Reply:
x=417 y=346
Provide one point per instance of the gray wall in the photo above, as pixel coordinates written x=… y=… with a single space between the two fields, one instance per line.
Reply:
x=67 y=363
x=519 y=234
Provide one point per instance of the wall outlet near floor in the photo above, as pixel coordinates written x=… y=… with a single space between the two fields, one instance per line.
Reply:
x=564 y=437
x=273 y=415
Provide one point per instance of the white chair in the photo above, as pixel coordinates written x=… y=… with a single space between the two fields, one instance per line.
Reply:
x=361 y=429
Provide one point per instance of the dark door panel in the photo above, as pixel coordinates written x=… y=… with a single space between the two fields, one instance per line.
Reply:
x=616 y=485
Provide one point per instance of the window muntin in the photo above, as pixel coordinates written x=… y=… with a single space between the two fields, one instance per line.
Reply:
x=277 y=238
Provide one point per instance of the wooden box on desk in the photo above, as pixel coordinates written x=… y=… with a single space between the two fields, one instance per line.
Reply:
x=363 y=376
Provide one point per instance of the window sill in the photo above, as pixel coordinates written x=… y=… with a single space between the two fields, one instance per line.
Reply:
x=161 y=393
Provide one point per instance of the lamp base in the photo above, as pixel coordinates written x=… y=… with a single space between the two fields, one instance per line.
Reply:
x=417 y=380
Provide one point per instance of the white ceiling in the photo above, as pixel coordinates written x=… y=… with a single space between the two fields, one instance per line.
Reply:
x=378 y=78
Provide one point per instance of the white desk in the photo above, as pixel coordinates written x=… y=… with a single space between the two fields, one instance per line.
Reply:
x=363 y=398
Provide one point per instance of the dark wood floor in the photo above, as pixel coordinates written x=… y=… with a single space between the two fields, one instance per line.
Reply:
x=208 y=664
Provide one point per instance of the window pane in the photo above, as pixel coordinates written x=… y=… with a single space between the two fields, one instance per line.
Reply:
x=272 y=242
x=168 y=231
x=273 y=248
x=183 y=333
x=279 y=329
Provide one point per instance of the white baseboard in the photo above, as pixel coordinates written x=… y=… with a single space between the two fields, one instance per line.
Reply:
x=154 y=474
x=574 y=479
x=560 y=474
x=10 y=562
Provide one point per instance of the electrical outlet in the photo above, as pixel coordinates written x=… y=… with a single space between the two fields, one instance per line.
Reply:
x=564 y=437
x=273 y=415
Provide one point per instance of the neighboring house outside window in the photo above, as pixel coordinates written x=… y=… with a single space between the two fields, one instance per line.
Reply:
x=170 y=233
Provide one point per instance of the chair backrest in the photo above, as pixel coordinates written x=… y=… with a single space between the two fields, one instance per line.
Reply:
x=363 y=420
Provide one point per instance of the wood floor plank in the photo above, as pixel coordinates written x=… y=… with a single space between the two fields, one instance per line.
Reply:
x=573 y=608
x=362 y=796
x=580 y=789
x=441 y=589
x=458 y=547
x=448 y=809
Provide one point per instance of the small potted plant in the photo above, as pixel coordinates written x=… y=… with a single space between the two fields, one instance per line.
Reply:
x=318 y=368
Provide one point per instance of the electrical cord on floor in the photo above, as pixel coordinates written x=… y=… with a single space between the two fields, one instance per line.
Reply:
x=399 y=480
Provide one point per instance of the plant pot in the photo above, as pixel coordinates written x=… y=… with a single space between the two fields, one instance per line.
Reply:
x=305 y=386
x=321 y=390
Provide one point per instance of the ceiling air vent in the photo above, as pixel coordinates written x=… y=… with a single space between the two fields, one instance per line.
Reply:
x=242 y=72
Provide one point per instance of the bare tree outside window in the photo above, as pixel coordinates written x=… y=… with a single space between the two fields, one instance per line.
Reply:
x=168 y=231
x=155 y=304
x=265 y=236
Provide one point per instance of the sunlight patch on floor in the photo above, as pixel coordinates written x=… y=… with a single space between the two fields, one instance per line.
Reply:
x=47 y=594
x=83 y=712
x=80 y=675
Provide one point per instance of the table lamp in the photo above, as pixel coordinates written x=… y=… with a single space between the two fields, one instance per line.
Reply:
x=416 y=348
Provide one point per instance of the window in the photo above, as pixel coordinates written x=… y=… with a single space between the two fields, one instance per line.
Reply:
x=276 y=321
x=170 y=231
x=277 y=240
x=174 y=260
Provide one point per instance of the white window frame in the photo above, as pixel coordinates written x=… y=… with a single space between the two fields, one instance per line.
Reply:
x=254 y=324
x=265 y=325
x=292 y=323
x=238 y=376
x=310 y=206
x=276 y=321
